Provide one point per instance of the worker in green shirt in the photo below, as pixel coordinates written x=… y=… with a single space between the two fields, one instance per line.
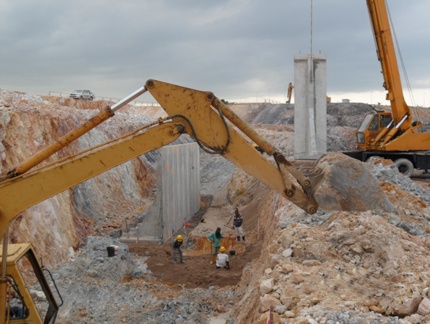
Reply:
x=215 y=239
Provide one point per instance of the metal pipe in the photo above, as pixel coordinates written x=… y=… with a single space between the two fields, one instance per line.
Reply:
x=402 y=121
x=394 y=131
x=129 y=98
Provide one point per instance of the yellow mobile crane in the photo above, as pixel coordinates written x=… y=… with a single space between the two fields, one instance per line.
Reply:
x=196 y=113
x=391 y=135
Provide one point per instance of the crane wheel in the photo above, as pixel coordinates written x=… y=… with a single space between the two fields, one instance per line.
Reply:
x=405 y=167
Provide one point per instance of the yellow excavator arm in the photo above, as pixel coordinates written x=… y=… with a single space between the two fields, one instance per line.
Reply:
x=197 y=113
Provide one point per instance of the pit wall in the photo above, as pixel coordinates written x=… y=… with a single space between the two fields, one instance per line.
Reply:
x=178 y=193
x=247 y=309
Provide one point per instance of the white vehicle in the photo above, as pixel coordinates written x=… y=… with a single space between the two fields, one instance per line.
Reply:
x=82 y=94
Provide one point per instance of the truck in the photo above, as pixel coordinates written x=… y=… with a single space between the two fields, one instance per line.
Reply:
x=392 y=135
x=199 y=114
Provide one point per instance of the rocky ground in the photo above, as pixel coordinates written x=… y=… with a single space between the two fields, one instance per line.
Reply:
x=363 y=260
x=332 y=267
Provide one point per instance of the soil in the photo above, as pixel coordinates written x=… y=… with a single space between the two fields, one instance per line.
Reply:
x=196 y=271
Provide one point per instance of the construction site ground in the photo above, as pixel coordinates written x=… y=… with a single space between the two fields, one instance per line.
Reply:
x=197 y=270
x=358 y=264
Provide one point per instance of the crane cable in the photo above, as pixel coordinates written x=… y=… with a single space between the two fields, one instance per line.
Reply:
x=402 y=63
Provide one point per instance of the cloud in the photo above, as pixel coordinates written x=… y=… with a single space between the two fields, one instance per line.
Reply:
x=237 y=49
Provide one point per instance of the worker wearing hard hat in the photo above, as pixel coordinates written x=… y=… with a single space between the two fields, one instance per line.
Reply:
x=222 y=259
x=215 y=238
x=177 y=249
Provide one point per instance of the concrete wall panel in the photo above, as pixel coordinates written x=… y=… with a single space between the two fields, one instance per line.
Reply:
x=178 y=192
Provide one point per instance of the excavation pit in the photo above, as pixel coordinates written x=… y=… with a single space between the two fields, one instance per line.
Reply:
x=197 y=270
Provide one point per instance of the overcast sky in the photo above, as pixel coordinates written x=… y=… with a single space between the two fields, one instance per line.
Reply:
x=239 y=49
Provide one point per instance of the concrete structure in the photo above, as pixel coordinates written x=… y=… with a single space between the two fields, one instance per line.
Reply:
x=310 y=106
x=178 y=194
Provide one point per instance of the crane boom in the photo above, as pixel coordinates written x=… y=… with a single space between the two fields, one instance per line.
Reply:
x=392 y=135
x=386 y=53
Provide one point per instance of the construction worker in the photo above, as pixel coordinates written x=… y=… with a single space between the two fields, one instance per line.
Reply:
x=215 y=239
x=290 y=91
x=222 y=259
x=177 y=249
x=237 y=225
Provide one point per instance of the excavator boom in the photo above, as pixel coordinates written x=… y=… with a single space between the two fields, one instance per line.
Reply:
x=197 y=113
x=215 y=127
x=205 y=120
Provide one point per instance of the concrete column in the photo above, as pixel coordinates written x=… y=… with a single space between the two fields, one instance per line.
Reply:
x=310 y=106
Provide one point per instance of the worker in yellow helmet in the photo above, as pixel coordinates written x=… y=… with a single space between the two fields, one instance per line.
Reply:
x=222 y=259
x=177 y=249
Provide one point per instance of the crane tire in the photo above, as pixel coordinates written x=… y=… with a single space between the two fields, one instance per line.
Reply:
x=405 y=167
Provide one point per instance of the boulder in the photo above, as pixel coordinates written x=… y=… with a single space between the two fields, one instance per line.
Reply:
x=347 y=184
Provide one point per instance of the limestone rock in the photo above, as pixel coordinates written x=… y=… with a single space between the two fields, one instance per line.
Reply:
x=266 y=286
x=289 y=297
x=286 y=268
x=409 y=306
x=297 y=278
x=311 y=263
x=287 y=253
x=424 y=307
x=268 y=301
x=280 y=309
